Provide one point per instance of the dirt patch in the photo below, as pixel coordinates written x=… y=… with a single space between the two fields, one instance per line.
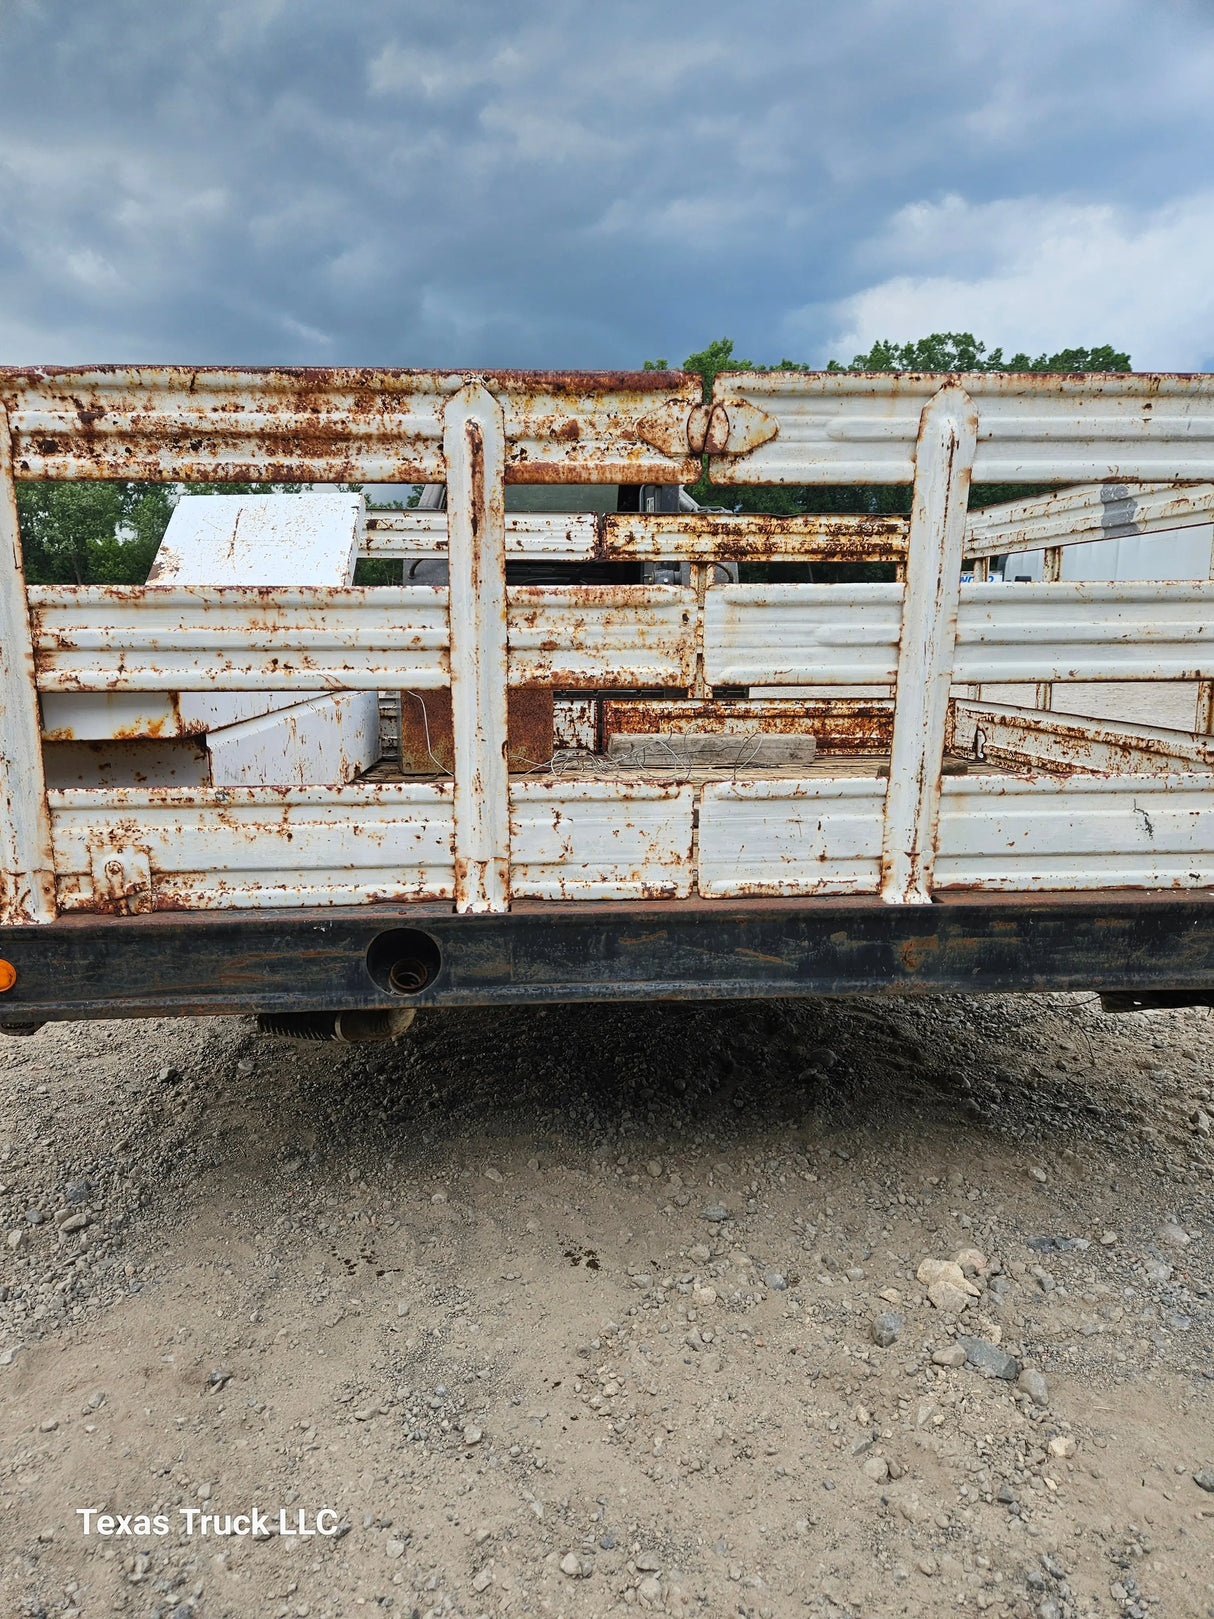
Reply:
x=590 y=1310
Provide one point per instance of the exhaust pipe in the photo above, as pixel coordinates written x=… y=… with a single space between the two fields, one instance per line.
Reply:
x=347 y=1028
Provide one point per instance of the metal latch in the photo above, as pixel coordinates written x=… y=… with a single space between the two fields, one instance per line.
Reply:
x=122 y=878
x=728 y=427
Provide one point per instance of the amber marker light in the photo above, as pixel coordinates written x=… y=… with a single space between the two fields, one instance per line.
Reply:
x=8 y=976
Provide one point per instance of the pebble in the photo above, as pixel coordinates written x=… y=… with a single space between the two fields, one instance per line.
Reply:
x=700 y=1253
x=926 y=1565
x=1174 y=1235
x=953 y=1356
x=1204 y=1479
x=716 y=1212
x=885 y=1328
x=876 y=1468
x=990 y=1358
x=438 y=1197
x=493 y=1174
x=472 y=1436
x=649 y=1590
x=774 y=1281
x=48 y=1425
x=654 y=1168
x=482 y=1581
x=1062 y=1447
x=74 y=1222
x=570 y=1565
x=945 y=1296
x=395 y=1548
x=35 y=1217
x=1034 y=1385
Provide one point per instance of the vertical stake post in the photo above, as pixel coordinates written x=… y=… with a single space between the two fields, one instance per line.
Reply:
x=27 y=865
x=474 y=444
x=944 y=459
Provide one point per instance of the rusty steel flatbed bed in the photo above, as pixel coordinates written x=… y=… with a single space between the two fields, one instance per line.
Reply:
x=540 y=952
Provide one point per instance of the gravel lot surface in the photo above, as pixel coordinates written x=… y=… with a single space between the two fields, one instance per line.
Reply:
x=596 y=1310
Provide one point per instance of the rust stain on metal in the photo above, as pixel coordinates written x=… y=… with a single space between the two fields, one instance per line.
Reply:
x=752 y=537
x=840 y=725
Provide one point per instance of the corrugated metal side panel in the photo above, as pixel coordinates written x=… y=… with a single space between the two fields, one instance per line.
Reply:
x=813 y=635
x=172 y=638
x=769 y=635
x=321 y=425
x=1102 y=511
x=600 y=839
x=854 y=428
x=251 y=847
x=1034 y=833
x=818 y=835
x=1131 y=630
x=602 y=635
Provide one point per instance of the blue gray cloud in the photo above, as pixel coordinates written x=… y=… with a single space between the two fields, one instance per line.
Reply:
x=570 y=183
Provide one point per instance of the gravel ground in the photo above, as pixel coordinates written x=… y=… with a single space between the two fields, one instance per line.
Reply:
x=589 y=1310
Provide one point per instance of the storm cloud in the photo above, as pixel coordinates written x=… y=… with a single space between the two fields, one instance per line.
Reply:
x=563 y=183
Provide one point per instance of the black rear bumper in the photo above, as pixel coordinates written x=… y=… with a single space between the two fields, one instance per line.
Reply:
x=196 y=964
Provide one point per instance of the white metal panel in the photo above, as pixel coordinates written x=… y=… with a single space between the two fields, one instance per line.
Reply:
x=171 y=638
x=240 y=847
x=101 y=716
x=301 y=539
x=360 y=424
x=577 y=839
x=840 y=427
x=539 y=535
x=802 y=635
x=1034 y=833
x=609 y=635
x=27 y=883
x=475 y=448
x=1031 y=738
x=1136 y=630
x=329 y=740
x=943 y=460
x=816 y=835
x=1102 y=511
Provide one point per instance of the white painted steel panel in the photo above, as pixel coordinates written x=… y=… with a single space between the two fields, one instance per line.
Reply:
x=1035 y=833
x=330 y=740
x=802 y=635
x=1031 y=738
x=819 y=635
x=360 y=424
x=541 y=535
x=243 y=847
x=839 y=427
x=170 y=638
x=301 y=539
x=576 y=839
x=816 y=835
x=102 y=716
x=1135 y=630
x=608 y=635
x=1102 y=511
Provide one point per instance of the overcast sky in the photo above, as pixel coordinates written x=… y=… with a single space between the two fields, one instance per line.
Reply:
x=595 y=182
